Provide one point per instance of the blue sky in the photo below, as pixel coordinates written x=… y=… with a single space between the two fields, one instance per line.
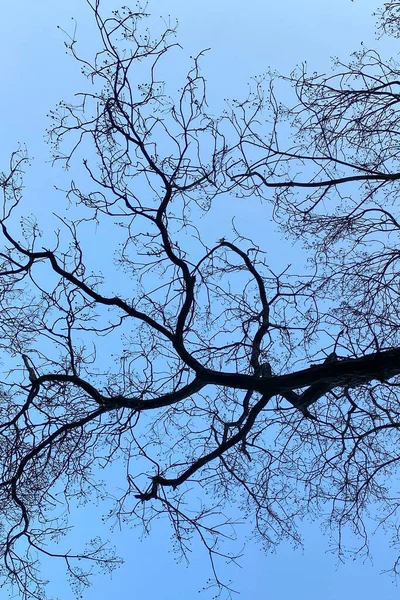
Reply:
x=246 y=38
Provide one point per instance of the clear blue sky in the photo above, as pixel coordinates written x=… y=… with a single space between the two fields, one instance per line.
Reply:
x=246 y=38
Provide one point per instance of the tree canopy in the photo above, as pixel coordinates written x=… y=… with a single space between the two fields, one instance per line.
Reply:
x=203 y=371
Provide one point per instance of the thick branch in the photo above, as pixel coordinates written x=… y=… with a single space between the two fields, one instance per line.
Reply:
x=350 y=372
x=316 y=184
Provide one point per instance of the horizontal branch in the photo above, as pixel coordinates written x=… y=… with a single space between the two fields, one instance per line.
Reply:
x=349 y=372
x=317 y=184
x=120 y=401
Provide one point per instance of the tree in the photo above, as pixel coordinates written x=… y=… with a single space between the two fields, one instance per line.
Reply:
x=198 y=366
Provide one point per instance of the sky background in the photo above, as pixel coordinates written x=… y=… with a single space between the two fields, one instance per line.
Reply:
x=245 y=39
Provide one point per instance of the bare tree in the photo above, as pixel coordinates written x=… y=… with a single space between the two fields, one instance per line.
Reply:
x=201 y=368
